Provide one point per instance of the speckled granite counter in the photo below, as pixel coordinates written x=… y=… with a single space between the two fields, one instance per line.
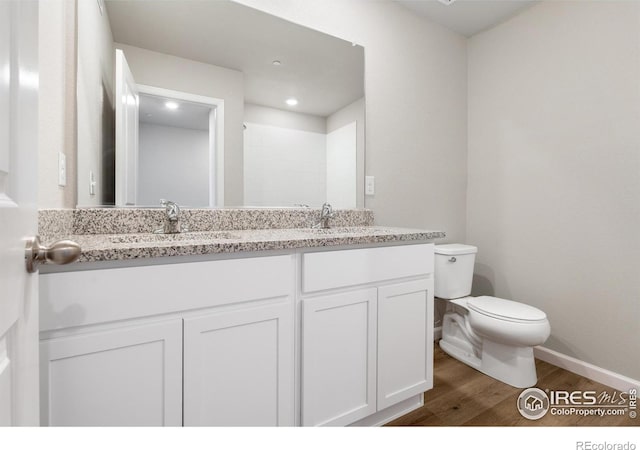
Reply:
x=120 y=234
x=119 y=247
x=56 y=222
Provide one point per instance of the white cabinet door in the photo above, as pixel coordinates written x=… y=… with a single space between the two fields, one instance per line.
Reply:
x=238 y=367
x=339 y=358
x=405 y=341
x=130 y=376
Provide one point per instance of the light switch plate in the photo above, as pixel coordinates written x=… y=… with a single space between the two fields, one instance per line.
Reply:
x=62 y=169
x=369 y=185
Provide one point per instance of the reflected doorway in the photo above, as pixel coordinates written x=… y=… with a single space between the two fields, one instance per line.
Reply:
x=174 y=146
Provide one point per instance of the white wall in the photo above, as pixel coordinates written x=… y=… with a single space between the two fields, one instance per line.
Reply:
x=284 y=119
x=554 y=173
x=415 y=87
x=284 y=166
x=56 y=121
x=348 y=114
x=179 y=74
x=265 y=157
x=341 y=166
x=94 y=89
x=173 y=164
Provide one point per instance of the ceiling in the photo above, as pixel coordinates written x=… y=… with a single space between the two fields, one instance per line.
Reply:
x=188 y=115
x=323 y=72
x=467 y=17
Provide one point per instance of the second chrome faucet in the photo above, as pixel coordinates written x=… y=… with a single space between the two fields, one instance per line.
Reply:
x=171 y=218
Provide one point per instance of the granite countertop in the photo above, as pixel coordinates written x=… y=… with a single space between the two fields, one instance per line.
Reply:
x=117 y=247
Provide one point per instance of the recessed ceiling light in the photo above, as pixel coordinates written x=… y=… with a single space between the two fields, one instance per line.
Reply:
x=446 y=2
x=171 y=105
x=276 y=63
x=292 y=101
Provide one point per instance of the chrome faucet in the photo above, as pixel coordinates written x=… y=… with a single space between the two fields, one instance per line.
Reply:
x=326 y=214
x=172 y=218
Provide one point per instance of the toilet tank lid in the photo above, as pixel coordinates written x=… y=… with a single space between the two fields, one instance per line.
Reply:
x=455 y=249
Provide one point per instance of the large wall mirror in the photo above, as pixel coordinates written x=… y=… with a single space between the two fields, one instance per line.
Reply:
x=212 y=104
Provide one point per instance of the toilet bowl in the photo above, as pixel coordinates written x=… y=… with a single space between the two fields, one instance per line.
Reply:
x=493 y=335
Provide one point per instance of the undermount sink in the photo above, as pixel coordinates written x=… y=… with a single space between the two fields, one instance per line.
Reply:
x=204 y=236
x=175 y=237
x=343 y=230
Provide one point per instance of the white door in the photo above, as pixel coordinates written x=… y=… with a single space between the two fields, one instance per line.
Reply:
x=238 y=367
x=18 y=213
x=405 y=341
x=127 y=104
x=339 y=358
x=126 y=376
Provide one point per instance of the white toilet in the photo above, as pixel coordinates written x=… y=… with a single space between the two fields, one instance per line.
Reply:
x=492 y=335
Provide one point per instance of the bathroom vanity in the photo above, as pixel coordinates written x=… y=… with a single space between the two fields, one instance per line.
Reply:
x=258 y=327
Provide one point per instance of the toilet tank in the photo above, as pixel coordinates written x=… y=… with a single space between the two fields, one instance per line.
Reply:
x=454 y=270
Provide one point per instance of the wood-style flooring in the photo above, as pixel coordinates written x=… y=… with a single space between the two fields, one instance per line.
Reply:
x=463 y=396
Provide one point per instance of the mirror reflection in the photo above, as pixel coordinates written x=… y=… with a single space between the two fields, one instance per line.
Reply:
x=175 y=144
x=254 y=111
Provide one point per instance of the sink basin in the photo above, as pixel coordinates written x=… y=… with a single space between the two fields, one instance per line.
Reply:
x=177 y=237
x=345 y=230
x=206 y=236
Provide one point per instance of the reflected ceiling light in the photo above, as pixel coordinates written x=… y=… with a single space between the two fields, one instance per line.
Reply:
x=171 y=105
x=446 y=2
x=292 y=101
x=276 y=63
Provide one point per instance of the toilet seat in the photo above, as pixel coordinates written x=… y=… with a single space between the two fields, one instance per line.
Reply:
x=506 y=310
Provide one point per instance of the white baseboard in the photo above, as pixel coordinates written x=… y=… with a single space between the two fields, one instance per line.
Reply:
x=437 y=333
x=587 y=370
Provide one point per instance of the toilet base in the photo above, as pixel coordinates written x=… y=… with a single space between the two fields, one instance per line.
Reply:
x=514 y=366
x=510 y=364
x=460 y=354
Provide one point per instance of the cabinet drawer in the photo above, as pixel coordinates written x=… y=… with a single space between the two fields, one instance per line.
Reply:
x=335 y=269
x=96 y=296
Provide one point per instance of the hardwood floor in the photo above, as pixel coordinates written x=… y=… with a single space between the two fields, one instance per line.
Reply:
x=463 y=396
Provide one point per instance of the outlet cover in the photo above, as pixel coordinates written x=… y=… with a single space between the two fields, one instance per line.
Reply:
x=369 y=185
